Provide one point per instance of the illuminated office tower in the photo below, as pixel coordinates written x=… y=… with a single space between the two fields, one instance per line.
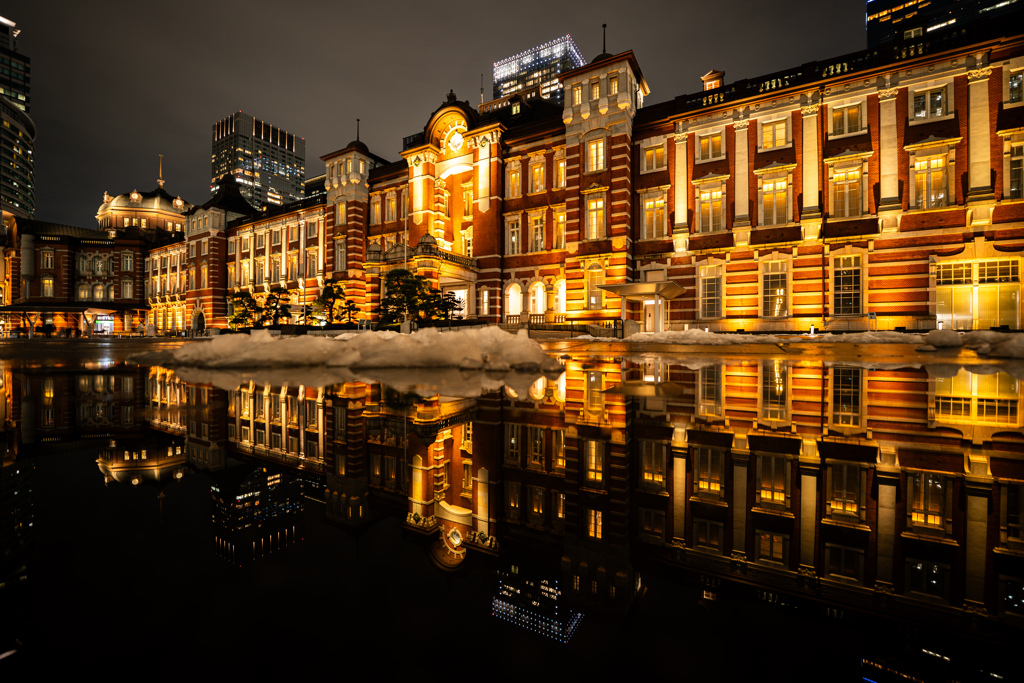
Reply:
x=269 y=163
x=18 y=132
x=539 y=66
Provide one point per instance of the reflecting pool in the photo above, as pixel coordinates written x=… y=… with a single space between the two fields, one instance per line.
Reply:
x=694 y=516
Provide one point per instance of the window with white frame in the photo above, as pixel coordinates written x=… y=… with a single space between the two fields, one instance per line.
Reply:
x=467 y=200
x=774 y=289
x=930 y=104
x=654 y=216
x=126 y=289
x=595 y=90
x=930 y=182
x=231 y=247
x=391 y=207
x=774 y=204
x=773 y=134
x=537 y=175
x=654 y=157
x=1016 y=171
x=595 y=217
x=846 y=292
x=594 y=279
x=513 y=239
x=47 y=259
x=710 y=146
x=559 y=229
x=711 y=291
x=467 y=241
x=709 y=391
x=47 y=286
x=577 y=95
x=846 y=193
x=710 y=213
x=595 y=155
x=83 y=292
x=513 y=180
x=1015 y=87
x=846 y=396
x=340 y=213
x=774 y=390
x=846 y=120
x=375 y=211
x=537 y=233
x=126 y=262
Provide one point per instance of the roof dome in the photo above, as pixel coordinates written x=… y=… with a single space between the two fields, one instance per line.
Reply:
x=155 y=200
x=358 y=145
x=427 y=239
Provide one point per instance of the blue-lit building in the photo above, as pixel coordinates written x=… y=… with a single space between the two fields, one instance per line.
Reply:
x=537 y=66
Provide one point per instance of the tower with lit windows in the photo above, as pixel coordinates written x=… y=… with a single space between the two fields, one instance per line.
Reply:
x=538 y=66
x=268 y=162
x=17 y=132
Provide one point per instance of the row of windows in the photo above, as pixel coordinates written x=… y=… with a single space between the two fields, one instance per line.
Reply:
x=536 y=177
x=537 y=236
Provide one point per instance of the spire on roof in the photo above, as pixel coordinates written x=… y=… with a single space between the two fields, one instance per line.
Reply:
x=160 y=180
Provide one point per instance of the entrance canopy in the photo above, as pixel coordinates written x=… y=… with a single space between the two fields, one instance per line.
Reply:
x=643 y=291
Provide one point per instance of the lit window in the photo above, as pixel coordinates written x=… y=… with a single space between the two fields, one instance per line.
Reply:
x=846 y=120
x=593 y=454
x=595 y=90
x=709 y=211
x=771 y=547
x=1016 y=87
x=653 y=463
x=930 y=183
x=595 y=218
x=707 y=466
x=537 y=234
x=1017 y=171
x=613 y=84
x=711 y=291
x=709 y=146
x=514 y=182
x=559 y=227
x=375 y=211
x=594 y=280
x=595 y=155
x=774 y=390
x=930 y=104
x=846 y=194
x=594 y=524
x=774 y=290
x=513 y=243
x=844 y=488
x=560 y=173
x=654 y=158
x=48 y=286
x=774 y=205
x=773 y=134
x=846 y=293
x=846 y=396
x=928 y=497
x=654 y=217
x=537 y=177
x=773 y=473
x=577 y=95
x=467 y=202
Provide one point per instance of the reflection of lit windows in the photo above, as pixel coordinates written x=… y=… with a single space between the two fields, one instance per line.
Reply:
x=927 y=498
x=707 y=470
x=844 y=488
x=971 y=397
x=593 y=455
x=774 y=390
x=928 y=578
x=652 y=522
x=844 y=563
x=558 y=448
x=930 y=104
x=536 y=500
x=594 y=524
x=594 y=393
x=709 y=387
x=846 y=386
x=653 y=463
x=707 y=535
x=536 y=446
x=1014 y=512
x=771 y=547
x=773 y=475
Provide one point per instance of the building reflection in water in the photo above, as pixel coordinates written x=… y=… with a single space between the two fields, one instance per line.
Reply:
x=860 y=489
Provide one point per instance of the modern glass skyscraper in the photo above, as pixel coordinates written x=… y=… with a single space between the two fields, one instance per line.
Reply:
x=538 y=66
x=18 y=132
x=269 y=163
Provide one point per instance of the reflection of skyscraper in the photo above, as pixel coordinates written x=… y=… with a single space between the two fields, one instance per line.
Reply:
x=255 y=512
x=18 y=132
x=535 y=604
x=269 y=163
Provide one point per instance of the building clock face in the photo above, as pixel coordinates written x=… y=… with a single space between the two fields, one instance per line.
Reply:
x=455 y=141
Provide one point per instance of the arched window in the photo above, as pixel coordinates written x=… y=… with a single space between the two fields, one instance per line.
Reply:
x=560 y=296
x=83 y=292
x=97 y=292
x=514 y=300
x=537 y=299
x=485 y=307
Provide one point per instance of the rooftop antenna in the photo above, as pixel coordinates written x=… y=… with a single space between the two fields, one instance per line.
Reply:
x=357 y=130
x=481 y=88
x=160 y=180
x=604 y=38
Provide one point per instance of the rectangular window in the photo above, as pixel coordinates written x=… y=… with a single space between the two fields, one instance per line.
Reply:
x=537 y=177
x=126 y=262
x=1017 y=171
x=846 y=293
x=652 y=462
x=559 y=505
x=594 y=524
x=709 y=398
x=654 y=217
x=536 y=446
x=514 y=241
x=231 y=247
x=514 y=183
x=654 y=158
x=47 y=259
x=512 y=441
x=846 y=396
x=1016 y=87
x=846 y=120
x=773 y=134
x=275 y=238
x=707 y=534
x=774 y=390
x=930 y=183
x=709 y=146
x=593 y=455
x=577 y=95
x=537 y=233
x=710 y=211
x=513 y=497
x=594 y=280
x=773 y=197
x=340 y=214
x=1015 y=512
x=774 y=297
x=927 y=498
x=652 y=522
x=467 y=202
x=846 y=195
x=929 y=578
x=930 y=104
x=375 y=211
x=311 y=228
x=536 y=500
x=559 y=230
x=595 y=90
x=711 y=291
x=47 y=286
x=595 y=218
x=391 y=208
x=613 y=85
x=560 y=173
x=261 y=240
x=340 y=255
x=595 y=155
x=773 y=469
x=771 y=546
x=558 y=449
x=844 y=488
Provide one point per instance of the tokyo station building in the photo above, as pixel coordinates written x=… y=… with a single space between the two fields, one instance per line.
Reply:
x=877 y=190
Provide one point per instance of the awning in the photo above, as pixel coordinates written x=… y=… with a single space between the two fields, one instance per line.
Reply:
x=641 y=291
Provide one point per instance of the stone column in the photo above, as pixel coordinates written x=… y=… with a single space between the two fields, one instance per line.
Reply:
x=979 y=174
x=741 y=184
x=740 y=462
x=979 y=494
x=681 y=185
x=809 y=163
x=810 y=469
x=887 y=475
x=679 y=492
x=888 y=157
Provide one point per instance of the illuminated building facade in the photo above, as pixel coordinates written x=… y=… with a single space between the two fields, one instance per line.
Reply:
x=898 y=21
x=268 y=163
x=18 y=132
x=537 y=68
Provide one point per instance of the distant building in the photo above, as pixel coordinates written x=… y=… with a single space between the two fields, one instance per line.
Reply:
x=539 y=66
x=890 y=21
x=17 y=132
x=269 y=163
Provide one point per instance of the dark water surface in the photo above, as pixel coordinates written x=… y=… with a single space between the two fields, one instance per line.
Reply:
x=718 y=518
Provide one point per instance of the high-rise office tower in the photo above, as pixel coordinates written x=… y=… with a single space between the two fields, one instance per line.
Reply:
x=887 y=21
x=538 y=66
x=18 y=132
x=269 y=163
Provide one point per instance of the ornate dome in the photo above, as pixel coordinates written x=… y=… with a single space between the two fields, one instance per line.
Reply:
x=155 y=200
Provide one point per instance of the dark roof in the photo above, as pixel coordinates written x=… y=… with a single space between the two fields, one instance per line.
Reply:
x=34 y=227
x=228 y=197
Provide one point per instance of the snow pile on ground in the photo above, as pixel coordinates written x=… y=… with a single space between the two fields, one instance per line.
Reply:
x=879 y=337
x=700 y=337
x=983 y=342
x=484 y=348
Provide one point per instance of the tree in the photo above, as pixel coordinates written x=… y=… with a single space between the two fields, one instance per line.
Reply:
x=350 y=309
x=275 y=306
x=451 y=304
x=246 y=310
x=331 y=294
x=408 y=294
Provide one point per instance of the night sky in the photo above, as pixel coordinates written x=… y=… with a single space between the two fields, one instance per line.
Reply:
x=116 y=83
